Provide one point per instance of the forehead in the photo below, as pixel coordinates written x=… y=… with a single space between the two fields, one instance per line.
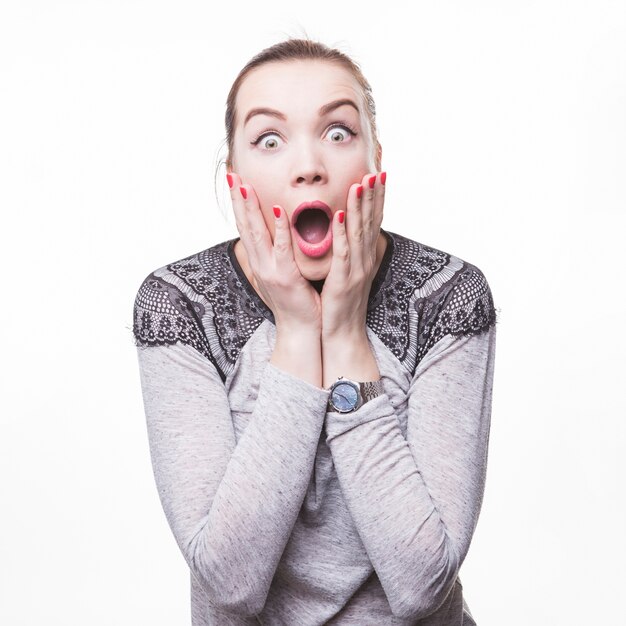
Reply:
x=302 y=85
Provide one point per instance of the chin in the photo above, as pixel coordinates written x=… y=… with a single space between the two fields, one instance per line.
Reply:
x=315 y=273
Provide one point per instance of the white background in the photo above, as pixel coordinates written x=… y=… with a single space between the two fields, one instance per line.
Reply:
x=504 y=133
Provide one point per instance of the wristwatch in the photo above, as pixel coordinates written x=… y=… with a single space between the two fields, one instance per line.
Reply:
x=347 y=396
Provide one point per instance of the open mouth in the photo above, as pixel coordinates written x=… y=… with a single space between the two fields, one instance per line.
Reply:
x=312 y=224
x=311 y=228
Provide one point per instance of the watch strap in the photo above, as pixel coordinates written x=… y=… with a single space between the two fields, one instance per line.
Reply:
x=371 y=390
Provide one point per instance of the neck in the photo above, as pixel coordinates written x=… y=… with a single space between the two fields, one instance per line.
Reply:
x=318 y=285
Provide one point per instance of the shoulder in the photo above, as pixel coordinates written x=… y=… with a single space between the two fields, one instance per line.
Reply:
x=171 y=303
x=200 y=300
x=436 y=293
x=191 y=274
x=180 y=286
x=434 y=276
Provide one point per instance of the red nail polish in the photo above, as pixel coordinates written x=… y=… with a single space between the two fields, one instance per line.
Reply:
x=372 y=181
x=244 y=193
x=359 y=191
x=342 y=216
x=229 y=178
x=383 y=178
x=277 y=211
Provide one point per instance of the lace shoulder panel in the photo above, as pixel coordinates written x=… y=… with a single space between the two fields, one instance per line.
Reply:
x=427 y=294
x=202 y=301
x=464 y=307
x=163 y=315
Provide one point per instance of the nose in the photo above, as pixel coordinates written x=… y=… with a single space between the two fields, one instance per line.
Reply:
x=308 y=165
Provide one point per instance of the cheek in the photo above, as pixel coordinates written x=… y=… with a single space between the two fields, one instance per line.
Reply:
x=267 y=197
x=353 y=167
x=355 y=174
x=257 y=174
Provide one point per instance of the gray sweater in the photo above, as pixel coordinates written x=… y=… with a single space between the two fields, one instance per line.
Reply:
x=287 y=513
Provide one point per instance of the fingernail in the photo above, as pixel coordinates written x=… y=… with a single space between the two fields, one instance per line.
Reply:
x=372 y=181
x=342 y=216
x=359 y=191
x=276 y=211
x=229 y=178
x=244 y=193
x=383 y=177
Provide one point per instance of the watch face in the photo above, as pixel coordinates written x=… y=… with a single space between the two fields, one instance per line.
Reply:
x=344 y=397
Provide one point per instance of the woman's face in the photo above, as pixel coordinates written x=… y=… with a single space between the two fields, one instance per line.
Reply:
x=302 y=135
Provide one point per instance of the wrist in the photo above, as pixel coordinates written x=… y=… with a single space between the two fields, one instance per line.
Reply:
x=344 y=338
x=350 y=357
x=348 y=325
x=298 y=352
x=295 y=328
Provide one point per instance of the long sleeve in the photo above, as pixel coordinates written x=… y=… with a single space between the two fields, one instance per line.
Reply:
x=415 y=501
x=231 y=505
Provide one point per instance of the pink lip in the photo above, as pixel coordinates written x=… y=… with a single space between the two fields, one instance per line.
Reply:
x=313 y=249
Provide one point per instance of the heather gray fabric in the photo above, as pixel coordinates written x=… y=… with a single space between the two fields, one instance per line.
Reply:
x=303 y=516
x=287 y=514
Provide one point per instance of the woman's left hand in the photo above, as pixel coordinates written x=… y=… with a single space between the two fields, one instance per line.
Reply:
x=347 y=287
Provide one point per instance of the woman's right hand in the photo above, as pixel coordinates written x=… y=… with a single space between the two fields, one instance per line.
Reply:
x=296 y=305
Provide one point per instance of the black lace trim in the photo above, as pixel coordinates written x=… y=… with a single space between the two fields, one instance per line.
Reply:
x=249 y=290
x=236 y=311
x=426 y=295
x=418 y=296
x=163 y=316
x=465 y=308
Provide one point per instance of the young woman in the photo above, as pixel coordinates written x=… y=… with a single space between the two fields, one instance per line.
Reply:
x=317 y=390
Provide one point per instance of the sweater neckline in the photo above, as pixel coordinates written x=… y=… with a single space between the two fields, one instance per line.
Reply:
x=379 y=278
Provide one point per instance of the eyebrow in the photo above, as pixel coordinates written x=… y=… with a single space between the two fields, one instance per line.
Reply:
x=325 y=110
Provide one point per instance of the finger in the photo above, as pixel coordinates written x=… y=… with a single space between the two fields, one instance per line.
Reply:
x=354 y=219
x=368 y=184
x=376 y=216
x=239 y=209
x=283 y=247
x=379 y=203
x=372 y=215
x=241 y=216
x=340 y=264
x=258 y=234
x=255 y=236
x=234 y=182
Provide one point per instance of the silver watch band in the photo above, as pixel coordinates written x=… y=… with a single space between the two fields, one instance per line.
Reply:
x=371 y=390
